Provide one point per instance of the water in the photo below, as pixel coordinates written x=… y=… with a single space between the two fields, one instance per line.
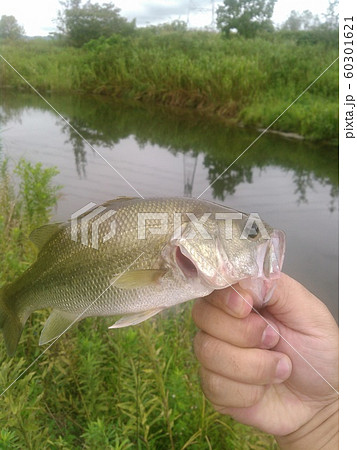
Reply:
x=291 y=184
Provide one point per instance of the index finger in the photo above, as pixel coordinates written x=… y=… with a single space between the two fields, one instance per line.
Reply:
x=233 y=300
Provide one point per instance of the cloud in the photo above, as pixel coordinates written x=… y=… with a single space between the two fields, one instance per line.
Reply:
x=159 y=11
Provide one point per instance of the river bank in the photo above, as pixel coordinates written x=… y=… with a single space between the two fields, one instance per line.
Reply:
x=245 y=81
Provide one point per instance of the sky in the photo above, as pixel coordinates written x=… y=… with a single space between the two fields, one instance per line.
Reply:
x=37 y=16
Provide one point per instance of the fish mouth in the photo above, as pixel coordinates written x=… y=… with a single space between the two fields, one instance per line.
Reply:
x=193 y=273
x=180 y=261
x=185 y=264
x=270 y=258
x=274 y=257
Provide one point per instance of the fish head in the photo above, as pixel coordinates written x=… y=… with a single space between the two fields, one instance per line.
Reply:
x=220 y=256
x=256 y=259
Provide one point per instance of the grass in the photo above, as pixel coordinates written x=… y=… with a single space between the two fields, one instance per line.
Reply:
x=22 y=211
x=248 y=81
x=95 y=388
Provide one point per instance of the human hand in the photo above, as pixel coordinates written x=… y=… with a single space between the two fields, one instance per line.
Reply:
x=284 y=382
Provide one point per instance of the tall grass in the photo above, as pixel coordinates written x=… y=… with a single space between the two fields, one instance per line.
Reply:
x=21 y=211
x=135 y=388
x=250 y=81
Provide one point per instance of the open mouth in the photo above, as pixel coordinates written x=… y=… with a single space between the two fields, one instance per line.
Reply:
x=270 y=260
x=274 y=257
x=185 y=264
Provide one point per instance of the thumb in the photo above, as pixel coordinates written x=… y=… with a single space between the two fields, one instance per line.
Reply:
x=297 y=308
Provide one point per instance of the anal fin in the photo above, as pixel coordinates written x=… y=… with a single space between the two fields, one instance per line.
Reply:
x=56 y=324
x=134 y=319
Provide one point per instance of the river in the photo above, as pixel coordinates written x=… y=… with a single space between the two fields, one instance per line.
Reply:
x=292 y=184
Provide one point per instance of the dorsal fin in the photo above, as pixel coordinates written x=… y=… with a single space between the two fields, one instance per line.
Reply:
x=40 y=236
x=115 y=202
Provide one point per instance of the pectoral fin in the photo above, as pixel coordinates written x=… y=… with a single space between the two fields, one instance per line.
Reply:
x=137 y=278
x=134 y=319
x=56 y=324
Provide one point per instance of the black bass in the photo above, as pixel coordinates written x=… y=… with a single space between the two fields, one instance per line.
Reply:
x=136 y=257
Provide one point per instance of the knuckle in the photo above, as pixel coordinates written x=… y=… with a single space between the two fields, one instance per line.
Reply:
x=217 y=296
x=197 y=344
x=218 y=300
x=261 y=370
x=211 y=386
x=196 y=311
x=254 y=331
x=202 y=314
x=219 y=408
x=252 y=396
x=205 y=346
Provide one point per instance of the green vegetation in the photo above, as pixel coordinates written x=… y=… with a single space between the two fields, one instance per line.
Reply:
x=96 y=388
x=250 y=81
x=245 y=17
x=10 y=29
x=21 y=212
x=79 y=24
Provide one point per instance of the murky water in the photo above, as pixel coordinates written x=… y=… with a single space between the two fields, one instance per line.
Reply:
x=291 y=184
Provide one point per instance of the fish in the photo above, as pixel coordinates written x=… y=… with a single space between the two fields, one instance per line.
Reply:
x=135 y=257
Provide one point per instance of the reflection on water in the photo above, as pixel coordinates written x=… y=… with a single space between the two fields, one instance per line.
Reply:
x=293 y=185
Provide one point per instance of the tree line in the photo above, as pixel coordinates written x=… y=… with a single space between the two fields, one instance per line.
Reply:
x=78 y=23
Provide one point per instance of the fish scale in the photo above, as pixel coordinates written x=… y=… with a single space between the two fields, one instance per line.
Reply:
x=127 y=275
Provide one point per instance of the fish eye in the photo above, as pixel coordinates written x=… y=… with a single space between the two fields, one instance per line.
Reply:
x=254 y=232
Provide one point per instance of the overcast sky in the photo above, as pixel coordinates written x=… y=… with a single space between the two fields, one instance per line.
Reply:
x=37 y=16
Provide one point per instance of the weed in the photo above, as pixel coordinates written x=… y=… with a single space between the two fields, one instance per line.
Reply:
x=250 y=81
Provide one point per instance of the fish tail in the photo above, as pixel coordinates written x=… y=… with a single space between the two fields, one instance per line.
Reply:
x=10 y=324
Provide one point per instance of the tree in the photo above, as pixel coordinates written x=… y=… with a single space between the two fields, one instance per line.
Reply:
x=10 y=29
x=175 y=25
x=79 y=24
x=245 y=17
x=331 y=16
x=301 y=21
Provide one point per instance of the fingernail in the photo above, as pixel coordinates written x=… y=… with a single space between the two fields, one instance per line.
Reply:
x=269 y=338
x=233 y=302
x=283 y=369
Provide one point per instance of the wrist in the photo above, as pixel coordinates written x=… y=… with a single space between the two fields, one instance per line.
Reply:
x=319 y=433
